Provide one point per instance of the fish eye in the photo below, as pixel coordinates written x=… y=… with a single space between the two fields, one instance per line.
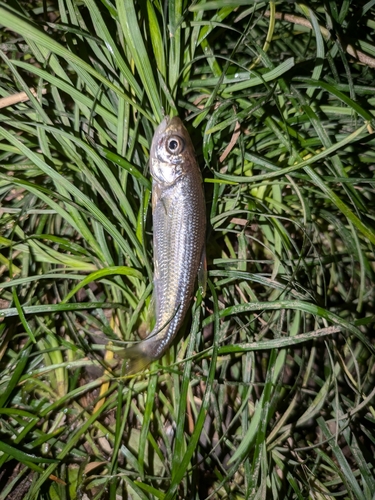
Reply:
x=174 y=145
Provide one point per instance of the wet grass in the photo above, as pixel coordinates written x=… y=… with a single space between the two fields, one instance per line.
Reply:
x=268 y=392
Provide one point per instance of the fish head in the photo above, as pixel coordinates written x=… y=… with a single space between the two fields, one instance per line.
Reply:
x=171 y=151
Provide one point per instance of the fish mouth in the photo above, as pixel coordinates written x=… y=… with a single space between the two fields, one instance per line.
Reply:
x=167 y=123
x=162 y=127
x=159 y=132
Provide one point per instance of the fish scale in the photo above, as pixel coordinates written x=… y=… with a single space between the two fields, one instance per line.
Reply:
x=179 y=225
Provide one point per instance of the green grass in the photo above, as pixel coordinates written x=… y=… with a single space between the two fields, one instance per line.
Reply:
x=268 y=392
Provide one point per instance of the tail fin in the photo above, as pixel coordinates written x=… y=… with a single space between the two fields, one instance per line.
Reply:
x=136 y=359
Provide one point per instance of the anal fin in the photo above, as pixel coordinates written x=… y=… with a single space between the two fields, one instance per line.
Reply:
x=202 y=273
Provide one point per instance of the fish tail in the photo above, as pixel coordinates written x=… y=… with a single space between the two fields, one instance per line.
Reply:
x=136 y=359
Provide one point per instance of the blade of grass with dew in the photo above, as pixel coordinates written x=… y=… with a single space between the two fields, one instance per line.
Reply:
x=19 y=25
x=179 y=470
x=131 y=32
x=61 y=181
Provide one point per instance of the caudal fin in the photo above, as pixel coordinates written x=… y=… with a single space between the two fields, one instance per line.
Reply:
x=136 y=359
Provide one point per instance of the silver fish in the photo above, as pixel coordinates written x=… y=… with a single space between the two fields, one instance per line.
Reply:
x=179 y=220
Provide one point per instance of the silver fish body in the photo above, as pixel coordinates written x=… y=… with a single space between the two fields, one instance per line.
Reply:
x=179 y=220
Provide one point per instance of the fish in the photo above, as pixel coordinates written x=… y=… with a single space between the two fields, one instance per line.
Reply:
x=179 y=233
